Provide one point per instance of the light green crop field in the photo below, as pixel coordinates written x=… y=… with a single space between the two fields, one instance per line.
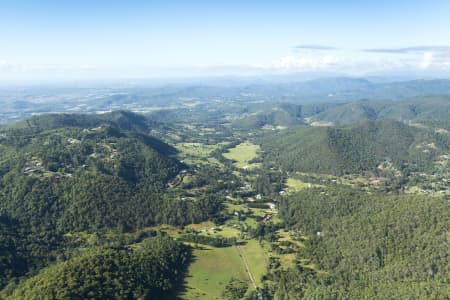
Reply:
x=202 y=226
x=210 y=271
x=261 y=212
x=256 y=258
x=233 y=207
x=195 y=149
x=295 y=185
x=224 y=231
x=229 y=232
x=194 y=153
x=242 y=154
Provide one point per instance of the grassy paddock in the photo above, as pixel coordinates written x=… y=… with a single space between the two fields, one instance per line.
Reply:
x=295 y=185
x=256 y=258
x=194 y=153
x=211 y=270
x=242 y=154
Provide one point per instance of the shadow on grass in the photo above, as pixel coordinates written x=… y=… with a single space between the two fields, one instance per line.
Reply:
x=180 y=287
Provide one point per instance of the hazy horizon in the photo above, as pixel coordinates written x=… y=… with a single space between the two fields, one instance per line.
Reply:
x=56 y=41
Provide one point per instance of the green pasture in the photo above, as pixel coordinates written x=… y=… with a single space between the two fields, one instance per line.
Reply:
x=242 y=154
x=210 y=271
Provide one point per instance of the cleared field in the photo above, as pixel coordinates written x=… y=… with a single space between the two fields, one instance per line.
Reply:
x=194 y=153
x=285 y=236
x=202 y=226
x=290 y=259
x=242 y=154
x=210 y=271
x=262 y=212
x=256 y=258
x=295 y=185
x=195 y=149
x=170 y=230
x=224 y=231
x=234 y=207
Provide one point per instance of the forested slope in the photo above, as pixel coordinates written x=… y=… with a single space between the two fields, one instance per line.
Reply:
x=59 y=175
x=152 y=269
x=415 y=109
x=356 y=148
x=418 y=109
x=371 y=246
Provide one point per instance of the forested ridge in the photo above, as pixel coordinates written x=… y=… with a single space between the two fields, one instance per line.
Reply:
x=417 y=109
x=150 y=269
x=429 y=108
x=357 y=148
x=60 y=175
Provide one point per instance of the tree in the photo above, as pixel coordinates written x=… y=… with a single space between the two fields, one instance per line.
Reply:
x=235 y=289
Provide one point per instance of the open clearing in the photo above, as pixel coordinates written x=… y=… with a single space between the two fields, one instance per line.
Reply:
x=242 y=154
x=194 y=153
x=295 y=185
x=256 y=258
x=211 y=270
x=223 y=231
x=195 y=149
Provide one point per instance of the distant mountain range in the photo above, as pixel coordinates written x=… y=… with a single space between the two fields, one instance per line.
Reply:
x=342 y=89
x=19 y=103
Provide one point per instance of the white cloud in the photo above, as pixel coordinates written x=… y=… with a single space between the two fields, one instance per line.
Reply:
x=301 y=63
x=329 y=60
x=361 y=62
x=289 y=62
x=5 y=66
x=427 y=60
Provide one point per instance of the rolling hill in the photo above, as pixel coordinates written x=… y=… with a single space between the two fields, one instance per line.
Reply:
x=415 y=109
x=356 y=148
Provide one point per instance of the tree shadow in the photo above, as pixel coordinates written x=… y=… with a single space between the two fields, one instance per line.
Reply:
x=181 y=287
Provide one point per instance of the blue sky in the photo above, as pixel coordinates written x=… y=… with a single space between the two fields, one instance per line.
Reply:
x=114 y=39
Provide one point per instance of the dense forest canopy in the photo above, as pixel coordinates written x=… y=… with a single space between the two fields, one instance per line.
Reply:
x=149 y=270
x=357 y=148
x=127 y=206
x=372 y=246
x=418 y=109
x=61 y=175
x=224 y=150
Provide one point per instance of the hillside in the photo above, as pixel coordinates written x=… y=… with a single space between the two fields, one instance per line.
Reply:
x=273 y=117
x=368 y=246
x=416 y=109
x=94 y=206
x=82 y=178
x=254 y=116
x=123 y=120
x=57 y=180
x=370 y=146
x=145 y=270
